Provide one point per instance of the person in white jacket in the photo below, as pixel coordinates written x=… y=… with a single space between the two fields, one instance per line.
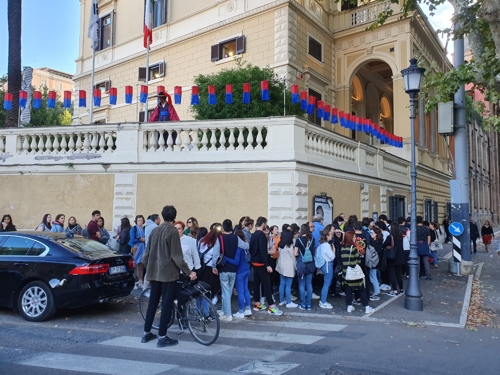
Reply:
x=325 y=255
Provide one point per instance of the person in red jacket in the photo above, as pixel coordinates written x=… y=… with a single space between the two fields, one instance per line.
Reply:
x=164 y=110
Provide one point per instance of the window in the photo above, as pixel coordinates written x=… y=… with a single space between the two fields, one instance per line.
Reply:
x=228 y=48
x=141 y=115
x=155 y=71
x=16 y=246
x=103 y=86
x=37 y=249
x=315 y=49
x=159 y=12
x=106 y=31
x=346 y=5
x=44 y=83
x=314 y=117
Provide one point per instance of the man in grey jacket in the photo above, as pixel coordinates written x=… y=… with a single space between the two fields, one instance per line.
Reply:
x=164 y=259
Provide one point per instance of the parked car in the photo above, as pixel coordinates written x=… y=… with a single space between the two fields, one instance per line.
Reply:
x=41 y=272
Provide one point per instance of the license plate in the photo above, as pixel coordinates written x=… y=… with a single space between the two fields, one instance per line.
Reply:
x=116 y=269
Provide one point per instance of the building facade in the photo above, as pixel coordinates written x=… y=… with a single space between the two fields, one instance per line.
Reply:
x=316 y=44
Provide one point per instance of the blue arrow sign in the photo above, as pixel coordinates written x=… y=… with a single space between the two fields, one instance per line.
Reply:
x=456 y=229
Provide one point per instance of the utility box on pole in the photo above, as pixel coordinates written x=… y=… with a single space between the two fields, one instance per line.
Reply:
x=445 y=118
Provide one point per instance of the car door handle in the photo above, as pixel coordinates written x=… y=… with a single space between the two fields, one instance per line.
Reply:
x=20 y=264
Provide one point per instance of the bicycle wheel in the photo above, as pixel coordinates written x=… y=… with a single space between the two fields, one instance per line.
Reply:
x=143 y=307
x=202 y=319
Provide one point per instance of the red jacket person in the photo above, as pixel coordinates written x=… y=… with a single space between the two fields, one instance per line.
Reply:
x=164 y=111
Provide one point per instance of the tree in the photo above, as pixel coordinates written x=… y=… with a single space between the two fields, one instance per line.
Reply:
x=14 y=65
x=45 y=116
x=479 y=21
x=238 y=76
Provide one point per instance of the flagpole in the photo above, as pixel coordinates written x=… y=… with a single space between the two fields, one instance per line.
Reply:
x=91 y=114
x=147 y=82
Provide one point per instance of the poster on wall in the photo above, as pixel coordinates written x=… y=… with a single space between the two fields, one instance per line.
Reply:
x=323 y=206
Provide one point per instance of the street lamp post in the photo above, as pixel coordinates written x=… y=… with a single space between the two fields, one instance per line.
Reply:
x=413 y=295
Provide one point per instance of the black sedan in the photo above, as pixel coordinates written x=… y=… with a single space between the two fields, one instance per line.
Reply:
x=41 y=272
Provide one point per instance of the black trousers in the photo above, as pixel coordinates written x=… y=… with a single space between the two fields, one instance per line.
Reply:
x=167 y=293
x=474 y=244
x=396 y=276
x=360 y=291
x=261 y=276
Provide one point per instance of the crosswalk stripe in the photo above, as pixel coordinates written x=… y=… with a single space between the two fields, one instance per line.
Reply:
x=289 y=338
x=181 y=347
x=265 y=368
x=307 y=325
x=95 y=365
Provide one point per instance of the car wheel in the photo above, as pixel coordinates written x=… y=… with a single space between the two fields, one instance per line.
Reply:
x=36 y=302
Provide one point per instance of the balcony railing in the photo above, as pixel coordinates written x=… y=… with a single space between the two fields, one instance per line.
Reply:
x=280 y=139
x=361 y=15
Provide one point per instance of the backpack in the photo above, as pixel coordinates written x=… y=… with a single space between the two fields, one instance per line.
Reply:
x=406 y=240
x=319 y=261
x=307 y=256
x=202 y=257
x=371 y=257
x=85 y=233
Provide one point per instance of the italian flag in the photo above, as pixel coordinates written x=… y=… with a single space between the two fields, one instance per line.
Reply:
x=148 y=24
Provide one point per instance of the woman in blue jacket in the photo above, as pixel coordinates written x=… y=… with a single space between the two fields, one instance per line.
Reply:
x=58 y=224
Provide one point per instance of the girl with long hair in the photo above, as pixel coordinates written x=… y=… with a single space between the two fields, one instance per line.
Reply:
x=305 y=270
x=73 y=226
x=285 y=266
x=46 y=224
x=7 y=224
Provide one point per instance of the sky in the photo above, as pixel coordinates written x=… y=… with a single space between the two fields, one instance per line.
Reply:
x=50 y=34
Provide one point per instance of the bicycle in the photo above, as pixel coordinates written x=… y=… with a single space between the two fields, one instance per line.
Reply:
x=193 y=309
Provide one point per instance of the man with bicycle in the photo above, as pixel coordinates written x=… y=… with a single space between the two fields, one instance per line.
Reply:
x=164 y=259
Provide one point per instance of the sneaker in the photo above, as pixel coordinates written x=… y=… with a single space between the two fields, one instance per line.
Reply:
x=302 y=307
x=225 y=318
x=282 y=303
x=147 y=293
x=247 y=312
x=342 y=294
x=325 y=305
x=369 y=310
x=293 y=298
x=402 y=291
x=291 y=305
x=374 y=297
x=259 y=307
x=262 y=300
x=315 y=296
x=220 y=312
x=309 y=308
x=350 y=308
x=385 y=287
x=166 y=341
x=391 y=294
x=275 y=311
x=136 y=286
x=148 y=337
x=355 y=302
x=215 y=300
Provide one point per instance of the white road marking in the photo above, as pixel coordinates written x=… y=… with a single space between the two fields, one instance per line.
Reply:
x=308 y=326
x=465 y=305
x=288 y=338
x=95 y=365
x=265 y=368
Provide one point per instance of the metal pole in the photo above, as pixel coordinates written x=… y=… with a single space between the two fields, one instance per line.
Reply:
x=147 y=84
x=413 y=294
x=284 y=96
x=91 y=113
x=459 y=188
x=137 y=102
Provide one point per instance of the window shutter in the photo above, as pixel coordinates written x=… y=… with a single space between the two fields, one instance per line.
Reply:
x=107 y=86
x=393 y=208
x=142 y=74
x=161 y=69
x=240 y=45
x=435 y=209
x=141 y=116
x=113 y=28
x=215 y=52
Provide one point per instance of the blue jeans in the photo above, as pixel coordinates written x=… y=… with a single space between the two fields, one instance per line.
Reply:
x=374 y=280
x=227 y=280
x=306 y=289
x=243 y=292
x=435 y=256
x=285 y=288
x=327 y=270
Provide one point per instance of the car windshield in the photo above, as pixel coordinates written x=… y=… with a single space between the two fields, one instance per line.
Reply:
x=82 y=244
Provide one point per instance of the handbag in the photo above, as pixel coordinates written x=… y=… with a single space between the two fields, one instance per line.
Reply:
x=353 y=273
x=436 y=245
x=390 y=251
x=423 y=248
x=221 y=260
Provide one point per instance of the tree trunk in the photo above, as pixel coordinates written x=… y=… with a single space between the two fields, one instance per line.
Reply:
x=14 y=65
x=490 y=12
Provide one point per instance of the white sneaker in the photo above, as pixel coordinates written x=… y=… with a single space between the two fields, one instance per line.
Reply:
x=350 y=308
x=215 y=300
x=385 y=287
x=262 y=300
x=282 y=303
x=291 y=305
x=325 y=305
x=148 y=293
x=239 y=315
x=315 y=296
x=369 y=310
x=226 y=318
x=220 y=312
x=247 y=312
x=293 y=298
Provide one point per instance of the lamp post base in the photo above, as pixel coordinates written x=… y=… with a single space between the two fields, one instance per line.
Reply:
x=414 y=303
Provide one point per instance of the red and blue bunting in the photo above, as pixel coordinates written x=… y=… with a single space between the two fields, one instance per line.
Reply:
x=195 y=96
x=51 y=100
x=23 y=98
x=212 y=99
x=144 y=94
x=7 y=101
x=37 y=99
x=229 y=94
x=82 y=98
x=113 y=95
x=246 y=93
x=129 y=94
x=97 y=97
x=67 y=99
x=177 y=94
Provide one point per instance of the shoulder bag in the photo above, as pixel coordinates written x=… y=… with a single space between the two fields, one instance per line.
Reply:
x=390 y=251
x=221 y=260
x=353 y=273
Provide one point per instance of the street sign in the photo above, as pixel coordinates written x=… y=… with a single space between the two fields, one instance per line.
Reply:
x=456 y=229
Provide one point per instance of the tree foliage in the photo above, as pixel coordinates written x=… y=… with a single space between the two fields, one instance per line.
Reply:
x=243 y=73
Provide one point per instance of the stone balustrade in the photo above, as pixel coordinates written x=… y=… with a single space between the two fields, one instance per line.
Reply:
x=363 y=14
x=276 y=140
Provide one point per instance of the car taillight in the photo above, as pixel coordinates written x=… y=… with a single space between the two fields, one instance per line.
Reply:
x=92 y=269
x=131 y=264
